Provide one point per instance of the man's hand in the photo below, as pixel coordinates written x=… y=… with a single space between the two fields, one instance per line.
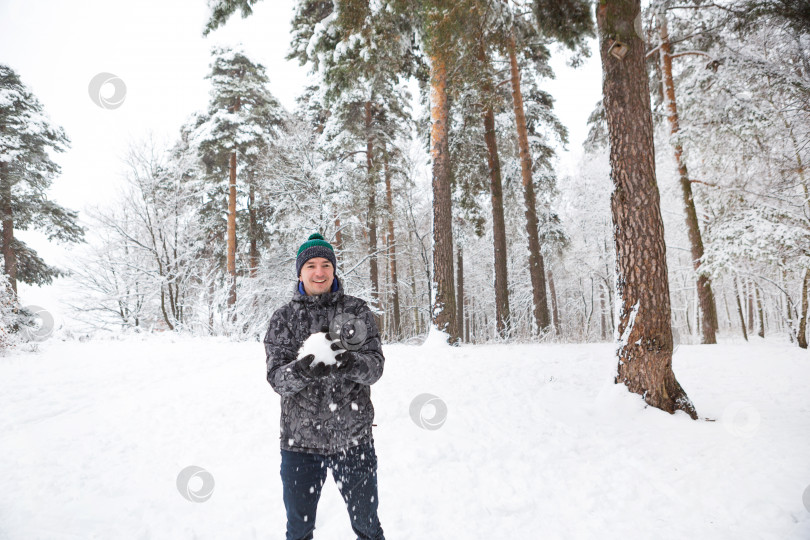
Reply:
x=304 y=367
x=344 y=359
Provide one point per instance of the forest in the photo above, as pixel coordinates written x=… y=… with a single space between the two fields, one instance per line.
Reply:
x=426 y=152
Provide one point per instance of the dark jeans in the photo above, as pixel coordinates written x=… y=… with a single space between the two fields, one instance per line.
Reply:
x=355 y=473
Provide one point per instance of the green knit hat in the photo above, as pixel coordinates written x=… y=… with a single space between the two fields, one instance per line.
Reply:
x=315 y=246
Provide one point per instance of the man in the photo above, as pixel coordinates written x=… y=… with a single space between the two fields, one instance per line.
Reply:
x=326 y=410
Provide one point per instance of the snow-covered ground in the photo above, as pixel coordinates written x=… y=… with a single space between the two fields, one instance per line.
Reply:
x=537 y=443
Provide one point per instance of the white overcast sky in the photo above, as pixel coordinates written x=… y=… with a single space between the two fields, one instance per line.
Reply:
x=156 y=47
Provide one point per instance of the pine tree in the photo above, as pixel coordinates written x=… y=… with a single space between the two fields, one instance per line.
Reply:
x=26 y=173
x=359 y=51
x=480 y=20
x=644 y=325
x=242 y=119
x=442 y=23
x=569 y=23
x=745 y=86
x=704 y=287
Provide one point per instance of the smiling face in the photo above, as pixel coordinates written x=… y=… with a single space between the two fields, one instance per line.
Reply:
x=317 y=275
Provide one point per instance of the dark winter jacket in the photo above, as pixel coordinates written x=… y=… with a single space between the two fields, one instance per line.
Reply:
x=333 y=413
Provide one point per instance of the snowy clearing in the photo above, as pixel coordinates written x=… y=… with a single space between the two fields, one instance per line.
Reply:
x=537 y=443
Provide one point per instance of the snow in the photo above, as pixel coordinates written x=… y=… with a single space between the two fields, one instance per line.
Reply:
x=436 y=339
x=631 y=322
x=537 y=443
x=319 y=346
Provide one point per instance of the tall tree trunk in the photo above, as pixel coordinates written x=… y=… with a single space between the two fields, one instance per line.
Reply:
x=232 y=223
x=740 y=308
x=750 y=296
x=372 y=209
x=496 y=196
x=254 y=230
x=554 y=302
x=412 y=279
x=704 y=286
x=645 y=348
x=9 y=256
x=460 y=295
x=232 y=231
x=788 y=307
x=536 y=265
x=801 y=337
x=444 y=307
x=392 y=248
x=760 y=312
x=498 y=225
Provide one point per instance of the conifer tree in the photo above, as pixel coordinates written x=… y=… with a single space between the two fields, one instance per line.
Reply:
x=26 y=172
x=242 y=119
x=359 y=51
x=704 y=286
x=642 y=286
x=442 y=24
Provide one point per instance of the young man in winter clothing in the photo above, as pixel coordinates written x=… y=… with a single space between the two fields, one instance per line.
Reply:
x=326 y=410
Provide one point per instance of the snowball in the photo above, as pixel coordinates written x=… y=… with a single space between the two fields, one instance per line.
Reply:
x=320 y=347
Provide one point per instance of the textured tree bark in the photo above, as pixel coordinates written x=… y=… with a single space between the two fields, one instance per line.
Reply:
x=372 y=210
x=392 y=248
x=498 y=225
x=496 y=197
x=460 y=293
x=801 y=337
x=788 y=308
x=554 y=302
x=232 y=225
x=704 y=285
x=253 y=230
x=642 y=286
x=444 y=306
x=536 y=265
x=9 y=256
x=740 y=309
